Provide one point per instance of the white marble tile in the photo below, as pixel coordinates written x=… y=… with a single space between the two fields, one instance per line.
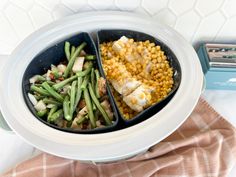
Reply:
x=127 y=5
x=181 y=6
x=75 y=5
x=229 y=8
x=206 y=7
x=166 y=11
x=166 y=16
x=4 y=47
x=3 y=4
x=11 y=38
x=48 y=4
x=209 y=27
x=20 y=21
x=40 y=20
x=152 y=7
x=187 y=23
x=100 y=5
x=227 y=32
x=60 y=11
x=24 y=4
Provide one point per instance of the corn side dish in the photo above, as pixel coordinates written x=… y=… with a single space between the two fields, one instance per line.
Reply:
x=139 y=73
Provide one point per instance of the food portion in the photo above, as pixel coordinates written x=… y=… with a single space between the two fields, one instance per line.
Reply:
x=72 y=94
x=139 y=73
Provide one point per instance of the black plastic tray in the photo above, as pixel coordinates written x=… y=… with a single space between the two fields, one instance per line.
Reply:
x=54 y=55
x=108 y=35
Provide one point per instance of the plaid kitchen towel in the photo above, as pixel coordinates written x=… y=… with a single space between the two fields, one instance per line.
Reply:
x=204 y=146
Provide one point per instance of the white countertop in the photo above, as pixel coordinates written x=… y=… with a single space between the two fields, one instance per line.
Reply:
x=14 y=150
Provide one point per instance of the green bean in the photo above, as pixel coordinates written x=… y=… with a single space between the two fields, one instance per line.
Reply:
x=92 y=77
x=52 y=110
x=41 y=78
x=67 y=50
x=61 y=84
x=95 y=100
x=50 y=101
x=85 y=82
x=39 y=90
x=39 y=97
x=38 y=85
x=96 y=89
x=87 y=64
x=52 y=92
x=41 y=113
x=72 y=59
x=66 y=109
x=78 y=92
x=90 y=57
x=81 y=120
x=94 y=106
x=72 y=50
x=50 y=82
x=84 y=73
x=72 y=97
x=56 y=115
x=38 y=78
x=89 y=108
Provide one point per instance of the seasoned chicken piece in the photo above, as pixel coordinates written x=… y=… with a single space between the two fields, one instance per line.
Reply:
x=119 y=44
x=80 y=114
x=102 y=86
x=126 y=86
x=139 y=98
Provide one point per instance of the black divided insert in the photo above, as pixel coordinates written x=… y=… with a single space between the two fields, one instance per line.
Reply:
x=55 y=54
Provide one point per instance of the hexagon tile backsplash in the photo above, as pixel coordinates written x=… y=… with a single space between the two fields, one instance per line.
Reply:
x=196 y=20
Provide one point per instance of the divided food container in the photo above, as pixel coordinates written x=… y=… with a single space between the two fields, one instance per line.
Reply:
x=55 y=55
x=104 y=145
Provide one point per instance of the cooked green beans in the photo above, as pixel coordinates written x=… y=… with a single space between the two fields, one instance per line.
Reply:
x=72 y=50
x=72 y=97
x=78 y=92
x=40 y=90
x=56 y=115
x=96 y=88
x=63 y=83
x=68 y=99
x=52 y=110
x=67 y=50
x=72 y=59
x=90 y=57
x=89 y=108
x=52 y=92
x=66 y=109
x=95 y=100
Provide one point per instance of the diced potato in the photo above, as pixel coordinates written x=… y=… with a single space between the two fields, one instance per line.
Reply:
x=32 y=99
x=78 y=65
x=40 y=106
x=61 y=68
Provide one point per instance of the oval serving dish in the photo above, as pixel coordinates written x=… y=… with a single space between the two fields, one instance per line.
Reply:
x=100 y=147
